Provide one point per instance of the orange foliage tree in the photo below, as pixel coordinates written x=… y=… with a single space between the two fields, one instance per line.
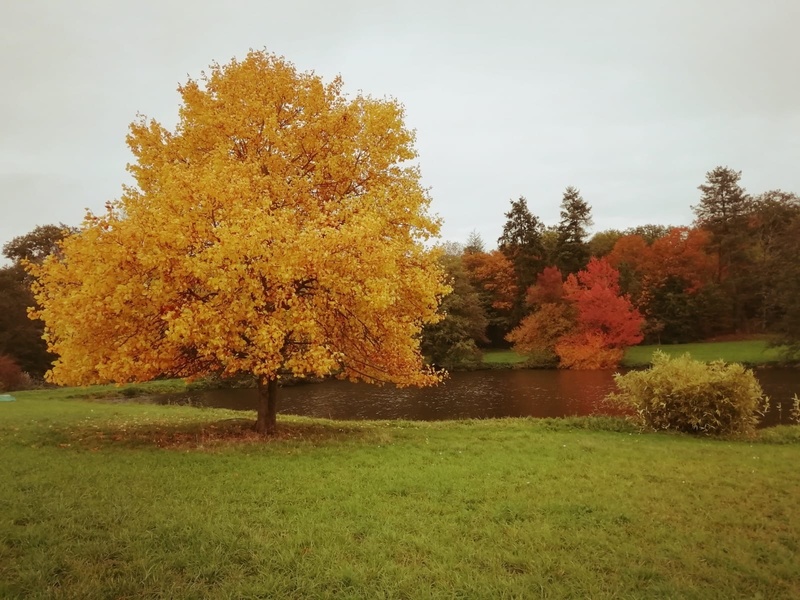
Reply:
x=586 y=322
x=541 y=331
x=682 y=253
x=551 y=319
x=493 y=275
x=277 y=231
x=627 y=256
x=666 y=275
x=587 y=350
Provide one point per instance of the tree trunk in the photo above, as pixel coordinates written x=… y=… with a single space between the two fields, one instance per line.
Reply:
x=267 y=406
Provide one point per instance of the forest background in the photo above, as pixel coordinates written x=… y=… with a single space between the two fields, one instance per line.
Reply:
x=559 y=294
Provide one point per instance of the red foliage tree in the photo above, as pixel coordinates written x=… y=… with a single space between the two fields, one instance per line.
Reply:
x=548 y=289
x=601 y=309
x=11 y=376
x=589 y=327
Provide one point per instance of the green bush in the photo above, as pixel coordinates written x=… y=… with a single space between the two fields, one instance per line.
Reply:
x=681 y=394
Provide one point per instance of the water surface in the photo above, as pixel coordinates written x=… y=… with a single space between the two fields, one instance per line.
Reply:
x=467 y=395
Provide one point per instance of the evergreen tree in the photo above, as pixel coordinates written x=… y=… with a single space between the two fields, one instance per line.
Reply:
x=724 y=205
x=788 y=290
x=724 y=210
x=474 y=243
x=521 y=242
x=572 y=250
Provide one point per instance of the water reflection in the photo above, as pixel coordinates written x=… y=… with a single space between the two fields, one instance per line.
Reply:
x=479 y=394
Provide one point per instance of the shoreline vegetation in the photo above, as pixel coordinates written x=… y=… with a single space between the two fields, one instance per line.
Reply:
x=751 y=353
x=106 y=499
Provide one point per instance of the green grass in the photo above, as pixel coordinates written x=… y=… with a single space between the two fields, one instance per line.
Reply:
x=127 y=391
x=102 y=499
x=751 y=352
x=503 y=357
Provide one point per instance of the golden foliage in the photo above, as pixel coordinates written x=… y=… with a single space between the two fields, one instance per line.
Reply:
x=493 y=273
x=279 y=229
x=541 y=330
x=587 y=351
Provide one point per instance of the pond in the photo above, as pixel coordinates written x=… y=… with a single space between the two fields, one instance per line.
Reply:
x=466 y=395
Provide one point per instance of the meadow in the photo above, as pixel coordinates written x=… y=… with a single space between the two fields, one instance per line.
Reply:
x=749 y=352
x=108 y=498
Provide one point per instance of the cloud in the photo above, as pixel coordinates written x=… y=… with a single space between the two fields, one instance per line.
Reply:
x=630 y=101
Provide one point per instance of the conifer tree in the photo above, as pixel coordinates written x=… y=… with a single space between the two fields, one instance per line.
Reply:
x=572 y=248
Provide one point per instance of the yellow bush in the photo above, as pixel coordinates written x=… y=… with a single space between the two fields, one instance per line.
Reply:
x=682 y=394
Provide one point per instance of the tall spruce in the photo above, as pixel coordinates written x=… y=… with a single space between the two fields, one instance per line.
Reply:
x=474 y=242
x=724 y=205
x=521 y=242
x=724 y=211
x=572 y=248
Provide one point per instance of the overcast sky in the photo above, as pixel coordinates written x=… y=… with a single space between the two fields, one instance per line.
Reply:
x=632 y=101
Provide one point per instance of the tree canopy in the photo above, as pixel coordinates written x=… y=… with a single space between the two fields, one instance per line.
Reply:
x=521 y=242
x=278 y=230
x=20 y=338
x=584 y=321
x=454 y=340
x=572 y=249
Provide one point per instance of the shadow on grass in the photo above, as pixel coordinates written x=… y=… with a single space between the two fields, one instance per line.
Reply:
x=198 y=435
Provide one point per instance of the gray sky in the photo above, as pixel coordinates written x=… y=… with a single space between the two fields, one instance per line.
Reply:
x=632 y=101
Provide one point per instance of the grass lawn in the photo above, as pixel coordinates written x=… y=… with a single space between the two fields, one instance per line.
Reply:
x=752 y=352
x=102 y=499
x=502 y=357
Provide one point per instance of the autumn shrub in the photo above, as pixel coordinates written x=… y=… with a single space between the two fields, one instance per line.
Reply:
x=682 y=394
x=541 y=330
x=11 y=376
x=587 y=351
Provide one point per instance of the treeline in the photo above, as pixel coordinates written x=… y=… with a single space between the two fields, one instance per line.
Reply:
x=555 y=292
x=566 y=297
x=22 y=349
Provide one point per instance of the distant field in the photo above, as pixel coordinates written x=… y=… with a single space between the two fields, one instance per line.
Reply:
x=747 y=351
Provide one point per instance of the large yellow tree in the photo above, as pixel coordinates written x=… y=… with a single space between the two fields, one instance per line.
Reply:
x=279 y=230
